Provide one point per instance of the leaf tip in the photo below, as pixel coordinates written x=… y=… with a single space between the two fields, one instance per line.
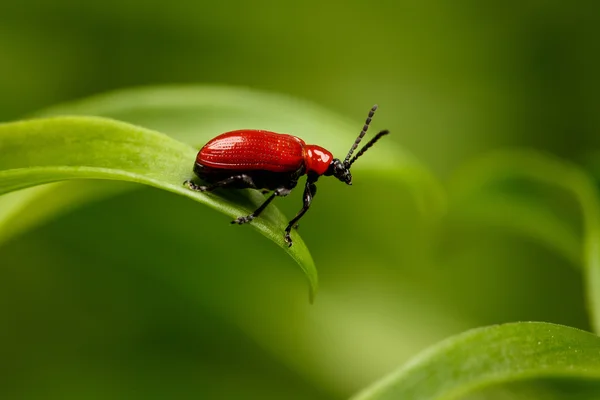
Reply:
x=312 y=293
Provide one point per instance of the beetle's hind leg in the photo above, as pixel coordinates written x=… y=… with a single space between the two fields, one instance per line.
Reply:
x=243 y=179
x=194 y=186
x=256 y=213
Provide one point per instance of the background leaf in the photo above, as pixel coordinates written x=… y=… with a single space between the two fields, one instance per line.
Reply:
x=491 y=356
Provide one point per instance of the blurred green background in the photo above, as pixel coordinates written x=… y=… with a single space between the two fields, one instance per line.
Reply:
x=114 y=300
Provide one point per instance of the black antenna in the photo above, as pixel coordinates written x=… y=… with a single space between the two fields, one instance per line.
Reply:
x=366 y=146
x=359 y=138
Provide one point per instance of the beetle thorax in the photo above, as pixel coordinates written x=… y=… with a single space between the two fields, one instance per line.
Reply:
x=316 y=159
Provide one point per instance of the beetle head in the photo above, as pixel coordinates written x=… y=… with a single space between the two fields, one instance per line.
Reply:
x=340 y=171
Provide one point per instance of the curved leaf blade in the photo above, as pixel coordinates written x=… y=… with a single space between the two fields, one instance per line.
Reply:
x=489 y=356
x=48 y=150
x=192 y=114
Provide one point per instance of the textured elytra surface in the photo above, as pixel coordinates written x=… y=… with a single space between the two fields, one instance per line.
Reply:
x=253 y=150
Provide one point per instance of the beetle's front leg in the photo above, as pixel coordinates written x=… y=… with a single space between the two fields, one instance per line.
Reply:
x=310 y=190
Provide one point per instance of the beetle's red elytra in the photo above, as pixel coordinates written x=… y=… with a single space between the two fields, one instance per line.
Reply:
x=263 y=150
x=258 y=159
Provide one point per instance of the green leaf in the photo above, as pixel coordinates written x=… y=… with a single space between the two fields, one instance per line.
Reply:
x=490 y=356
x=475 y=194
x=47 y=150
x=195 y=114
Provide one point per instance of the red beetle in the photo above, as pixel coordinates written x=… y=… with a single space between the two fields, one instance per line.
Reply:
x=255 y=159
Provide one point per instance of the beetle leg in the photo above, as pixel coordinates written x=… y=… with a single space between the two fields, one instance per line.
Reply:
x=256 y=213
x=310 y=190
x=225 y=182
